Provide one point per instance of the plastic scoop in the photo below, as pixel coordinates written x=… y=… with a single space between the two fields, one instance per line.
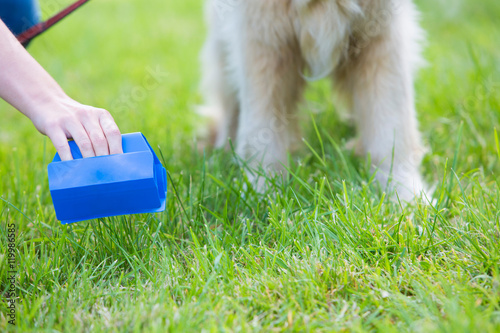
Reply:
x=134 y=182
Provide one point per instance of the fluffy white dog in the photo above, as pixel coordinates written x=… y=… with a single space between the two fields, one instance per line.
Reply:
x=259 y=54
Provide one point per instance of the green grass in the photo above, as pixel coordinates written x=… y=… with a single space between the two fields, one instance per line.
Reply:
x=330 y=252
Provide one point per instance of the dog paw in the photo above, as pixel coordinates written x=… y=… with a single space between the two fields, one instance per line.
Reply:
x=410 y=189
x=354 y=144
x=406 y=187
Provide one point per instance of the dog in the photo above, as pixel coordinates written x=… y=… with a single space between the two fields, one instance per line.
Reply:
x=259 y=54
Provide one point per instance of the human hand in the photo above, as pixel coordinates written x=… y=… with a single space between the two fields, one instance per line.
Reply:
x=93 y=130
x=30 y=89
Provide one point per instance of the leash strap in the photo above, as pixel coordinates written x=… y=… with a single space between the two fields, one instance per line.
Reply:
x=26 y=36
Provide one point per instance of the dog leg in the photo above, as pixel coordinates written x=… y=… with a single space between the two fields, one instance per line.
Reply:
x=220 y=96
x=270 y=86
x=379 y=80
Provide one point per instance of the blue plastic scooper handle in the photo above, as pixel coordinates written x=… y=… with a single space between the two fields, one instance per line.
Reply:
x=134 y=182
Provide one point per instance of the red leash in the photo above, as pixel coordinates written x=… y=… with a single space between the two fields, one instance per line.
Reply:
x=26 y=36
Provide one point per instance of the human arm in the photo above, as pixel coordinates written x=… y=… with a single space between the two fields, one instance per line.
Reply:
x=30 y=89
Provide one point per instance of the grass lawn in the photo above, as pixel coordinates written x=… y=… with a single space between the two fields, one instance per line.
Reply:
x=330 y=253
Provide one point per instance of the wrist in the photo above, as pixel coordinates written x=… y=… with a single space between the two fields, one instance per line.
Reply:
x=39 y=102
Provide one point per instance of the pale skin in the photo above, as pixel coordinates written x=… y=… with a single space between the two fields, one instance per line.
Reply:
x=30 y=89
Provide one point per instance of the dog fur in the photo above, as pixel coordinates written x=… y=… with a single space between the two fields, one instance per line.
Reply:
x=260 y=53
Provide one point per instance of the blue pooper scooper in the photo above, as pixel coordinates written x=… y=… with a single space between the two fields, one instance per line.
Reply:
x=130 y=183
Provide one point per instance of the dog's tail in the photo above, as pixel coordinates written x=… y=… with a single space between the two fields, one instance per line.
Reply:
x=323 y=26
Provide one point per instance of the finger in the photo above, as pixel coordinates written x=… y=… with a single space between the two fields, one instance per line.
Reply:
x=96 y=135
x=112 y=133
x=78 y=133
x=60 y=142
